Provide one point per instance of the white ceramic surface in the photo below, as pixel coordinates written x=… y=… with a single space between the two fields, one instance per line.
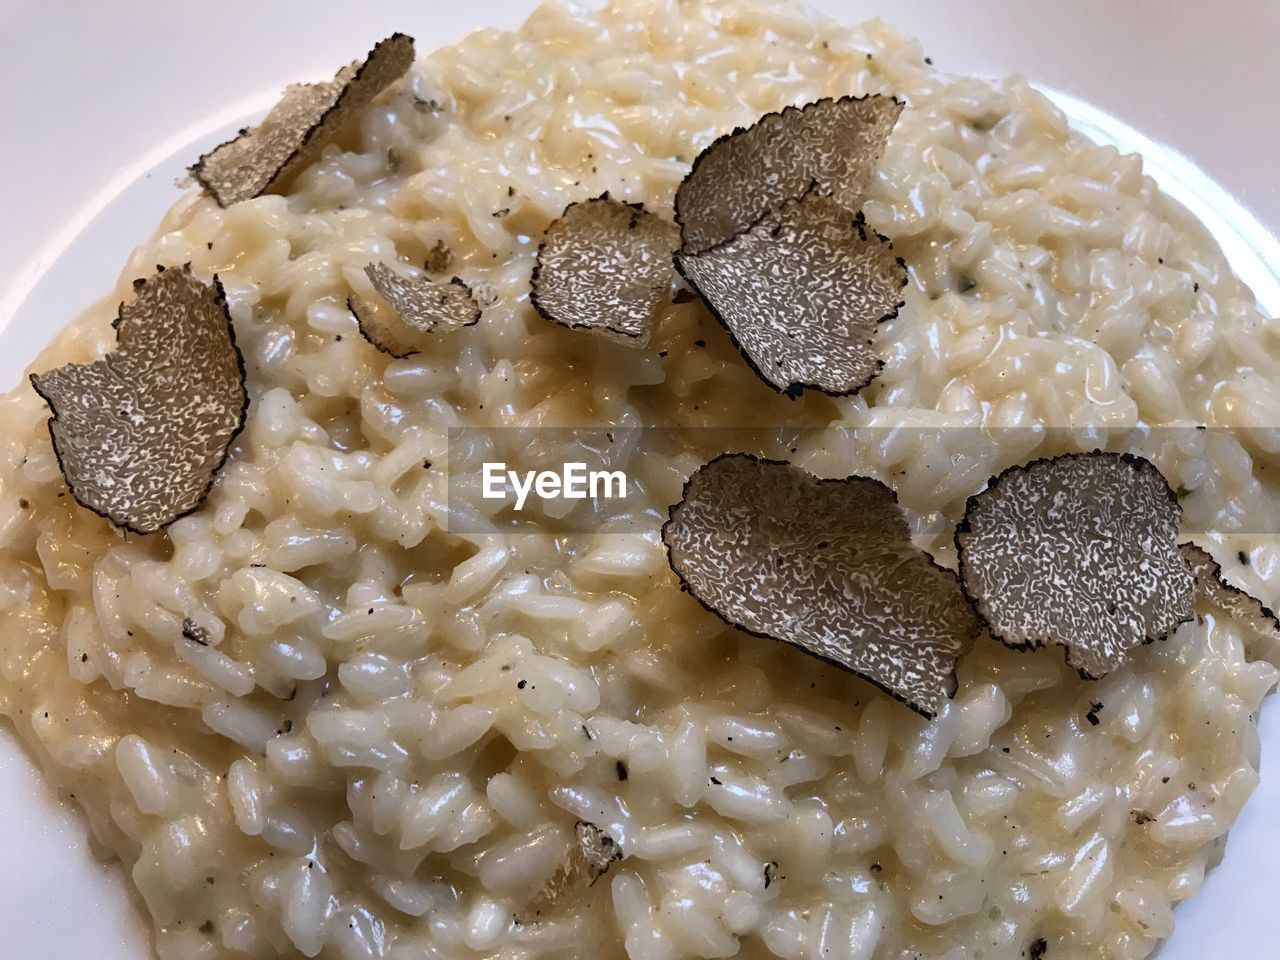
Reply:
x=102 y=105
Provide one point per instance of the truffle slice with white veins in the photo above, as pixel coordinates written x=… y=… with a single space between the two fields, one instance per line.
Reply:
x=413 y=309
x=827 y=566
x=605 y=265
x=1214 y=590
x=802 y=293
x=141 y=433
x=306 y=118
x=591 y=853
x=830 y=146
x=1080 y=550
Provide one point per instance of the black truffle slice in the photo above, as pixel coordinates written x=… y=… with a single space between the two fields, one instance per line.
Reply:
x=831 y=146
x=801 y=293
x=141 y=433
x=305 y=119
x=824 y=565
x=415 y=307
x=1214 y=590
x=604 y=265
x=589 y=858
x=1080 y=550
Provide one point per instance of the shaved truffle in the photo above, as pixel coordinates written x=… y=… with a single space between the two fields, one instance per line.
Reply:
x=141 y=433
x=802 y=293
x=1214 y=590
x=589 y=858
x=439 y=258
x=831 y=146
x=604 y=265
x=414 y=308
x=305 y=119
x=1080 y=550
x=824 y=565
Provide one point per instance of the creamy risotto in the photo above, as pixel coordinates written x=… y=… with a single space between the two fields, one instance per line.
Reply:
x=399 y=721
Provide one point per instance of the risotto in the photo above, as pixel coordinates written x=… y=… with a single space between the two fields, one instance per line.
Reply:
x=401 y=723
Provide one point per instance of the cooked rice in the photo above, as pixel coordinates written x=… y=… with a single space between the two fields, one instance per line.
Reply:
x=385 y=748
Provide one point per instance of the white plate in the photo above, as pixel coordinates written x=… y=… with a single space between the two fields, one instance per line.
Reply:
x=103 y=106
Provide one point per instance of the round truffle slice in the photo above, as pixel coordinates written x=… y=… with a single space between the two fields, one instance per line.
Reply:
x=827 y=566
x=306 y=118
x=802 y=293
x=831 y=146
x=413 y=309
x=141 y=433
x=1081 y=551
x=1213 y=589
x=605 y=265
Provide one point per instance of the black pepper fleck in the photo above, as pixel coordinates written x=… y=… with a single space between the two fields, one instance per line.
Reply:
x=770 y=873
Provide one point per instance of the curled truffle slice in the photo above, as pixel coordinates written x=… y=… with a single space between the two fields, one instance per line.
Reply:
x=141 y=433
x=305 y=119
x=415 y=307
x=827 y=566
x=604 y=265
x=802 y=293
x=1080 y=550
x=1213 y=589
x=589 y=858
x=830 y=145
